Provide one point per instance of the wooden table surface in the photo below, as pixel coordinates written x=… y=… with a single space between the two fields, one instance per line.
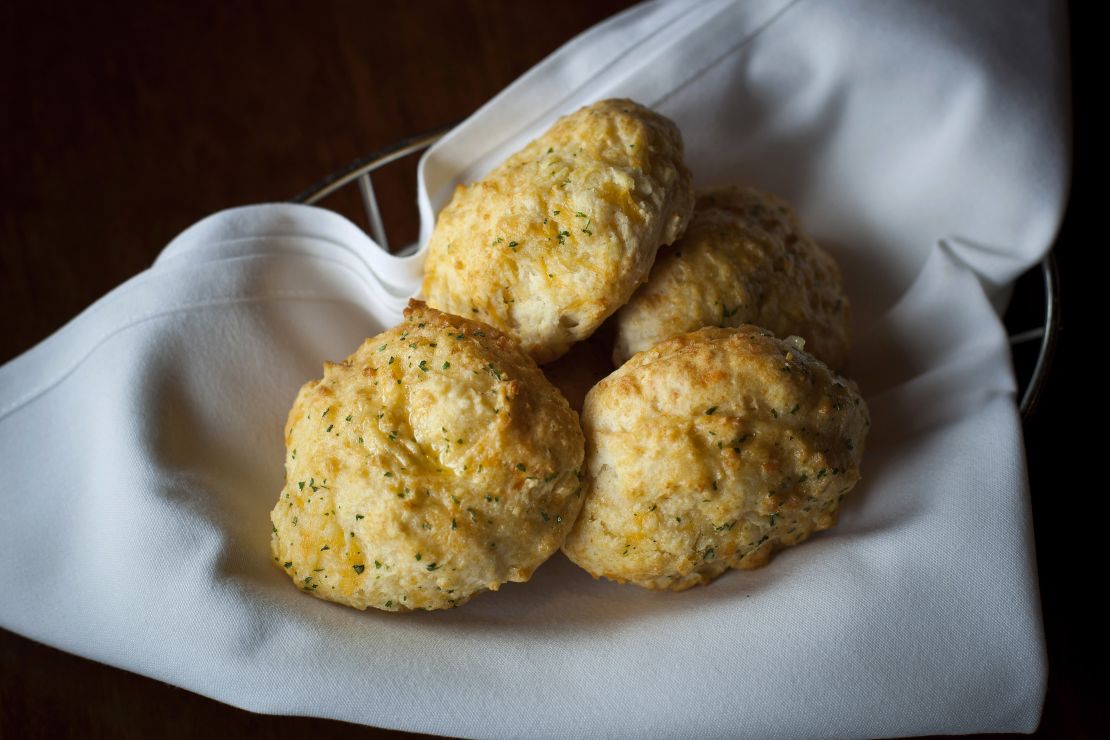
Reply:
x=122 y=125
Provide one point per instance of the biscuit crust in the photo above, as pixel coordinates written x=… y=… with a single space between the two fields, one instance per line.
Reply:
x=708 y=452
x=434 y=463
x=744 y=259
x=558 y=237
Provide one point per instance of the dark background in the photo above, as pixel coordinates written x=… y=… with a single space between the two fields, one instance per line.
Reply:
x=120 y=125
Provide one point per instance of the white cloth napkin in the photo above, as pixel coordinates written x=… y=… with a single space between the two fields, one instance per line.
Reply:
x=924 y=143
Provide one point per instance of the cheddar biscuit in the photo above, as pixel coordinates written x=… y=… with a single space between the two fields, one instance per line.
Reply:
x=744 y=259
x=434 y=463
x=558 y=237
x=709 y=451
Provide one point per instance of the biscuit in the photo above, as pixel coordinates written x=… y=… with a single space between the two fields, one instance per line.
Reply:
x=708 y=452
x=558 y=237
x=744 y=259
x=432 y=464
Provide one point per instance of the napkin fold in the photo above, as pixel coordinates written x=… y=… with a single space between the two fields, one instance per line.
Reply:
x=925 y=144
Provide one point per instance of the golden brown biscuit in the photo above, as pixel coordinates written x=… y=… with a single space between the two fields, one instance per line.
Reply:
x=707 y=452
x=556 y=238
x=744 y=259
x=434 y=463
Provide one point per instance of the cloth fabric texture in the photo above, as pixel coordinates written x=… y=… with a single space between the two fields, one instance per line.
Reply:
x=925 y=144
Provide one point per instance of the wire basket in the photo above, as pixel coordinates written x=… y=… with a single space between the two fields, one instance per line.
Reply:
x=1030 y=369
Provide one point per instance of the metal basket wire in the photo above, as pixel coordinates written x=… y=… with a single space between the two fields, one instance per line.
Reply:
x=1046 y=333
x=359 y=172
